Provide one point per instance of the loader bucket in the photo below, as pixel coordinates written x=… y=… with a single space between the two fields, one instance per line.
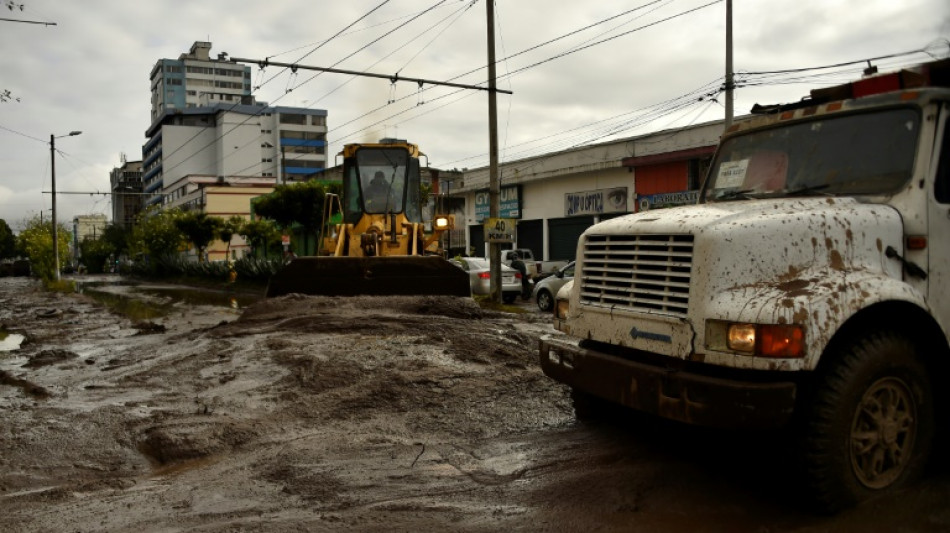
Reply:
x=382 y=276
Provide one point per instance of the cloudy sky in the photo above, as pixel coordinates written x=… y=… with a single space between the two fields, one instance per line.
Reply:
x=580 y=72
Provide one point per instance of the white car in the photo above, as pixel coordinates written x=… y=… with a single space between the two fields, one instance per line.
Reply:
x=547 y=288
x=479 y=276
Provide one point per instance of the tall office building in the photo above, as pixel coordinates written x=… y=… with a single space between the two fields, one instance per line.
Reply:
x=195 y=79
x=207 y=128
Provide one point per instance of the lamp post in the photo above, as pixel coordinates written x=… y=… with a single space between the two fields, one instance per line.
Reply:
x=52 y=166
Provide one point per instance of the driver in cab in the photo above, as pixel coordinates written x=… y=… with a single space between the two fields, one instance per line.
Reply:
x=378 y=192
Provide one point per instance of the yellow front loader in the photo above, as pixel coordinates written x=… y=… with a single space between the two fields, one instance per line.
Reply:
x=379 y=247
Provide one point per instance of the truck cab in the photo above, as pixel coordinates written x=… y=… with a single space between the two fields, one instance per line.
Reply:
x=808 y=289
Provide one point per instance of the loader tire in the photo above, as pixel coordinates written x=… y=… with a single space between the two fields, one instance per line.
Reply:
x=870 y=425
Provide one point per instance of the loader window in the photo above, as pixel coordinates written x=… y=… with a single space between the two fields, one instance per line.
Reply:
x=382 y=178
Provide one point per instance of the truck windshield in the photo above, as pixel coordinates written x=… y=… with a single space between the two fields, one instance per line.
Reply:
x=859 y=154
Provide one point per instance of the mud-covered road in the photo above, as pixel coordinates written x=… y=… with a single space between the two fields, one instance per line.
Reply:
x=363 y=414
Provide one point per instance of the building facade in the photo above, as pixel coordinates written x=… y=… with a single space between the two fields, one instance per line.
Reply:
x=555 y=197
x=232 y=142
x=195 y=80
x=86 y=227
x=126 y=187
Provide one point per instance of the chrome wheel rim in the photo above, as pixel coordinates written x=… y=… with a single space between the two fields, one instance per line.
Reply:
x=883 y=433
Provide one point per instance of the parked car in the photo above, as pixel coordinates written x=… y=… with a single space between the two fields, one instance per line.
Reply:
x=547 y=288
x=479 y=275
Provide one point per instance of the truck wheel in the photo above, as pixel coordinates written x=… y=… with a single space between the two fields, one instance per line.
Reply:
x=871 y=422
x=545 y=301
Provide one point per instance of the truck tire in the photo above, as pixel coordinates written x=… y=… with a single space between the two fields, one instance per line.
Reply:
x=870 y=424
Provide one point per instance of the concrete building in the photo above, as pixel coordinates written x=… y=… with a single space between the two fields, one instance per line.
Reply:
x=555 y=197
x=126 y=186
x=87 y=227
x=196 y=80
x=232 y=142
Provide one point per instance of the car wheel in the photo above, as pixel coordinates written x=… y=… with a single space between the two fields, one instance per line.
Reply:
x=871 y=422
x=509 y=297
x=545 y=301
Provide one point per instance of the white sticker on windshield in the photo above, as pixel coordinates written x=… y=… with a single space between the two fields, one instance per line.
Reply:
x=732 y=174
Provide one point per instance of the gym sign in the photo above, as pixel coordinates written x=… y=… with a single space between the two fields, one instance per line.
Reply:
x=509 y=203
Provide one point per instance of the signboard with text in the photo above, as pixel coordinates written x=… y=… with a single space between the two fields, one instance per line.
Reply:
x=509 y=203
x=666 y=199
x=596 y=202
x=500 y=229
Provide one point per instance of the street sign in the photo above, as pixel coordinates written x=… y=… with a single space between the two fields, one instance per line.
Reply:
x=500 y=230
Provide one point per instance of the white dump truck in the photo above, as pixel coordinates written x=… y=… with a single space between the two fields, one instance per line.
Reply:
x=808 y=289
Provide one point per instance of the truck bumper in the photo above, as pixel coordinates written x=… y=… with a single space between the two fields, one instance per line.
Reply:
x=675 y=394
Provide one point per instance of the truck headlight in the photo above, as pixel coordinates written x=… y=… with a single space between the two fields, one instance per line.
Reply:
x=761 y=340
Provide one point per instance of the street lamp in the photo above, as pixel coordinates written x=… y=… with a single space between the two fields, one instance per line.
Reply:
x=52 y=166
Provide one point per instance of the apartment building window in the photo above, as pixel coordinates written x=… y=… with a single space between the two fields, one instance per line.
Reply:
x=315 y=150
x=305 y=135
x=173 y=81
x=171 y=68
x=292 y=118
x=318 y=120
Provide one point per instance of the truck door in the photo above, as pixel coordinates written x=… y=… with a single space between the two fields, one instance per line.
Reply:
x=938 y=242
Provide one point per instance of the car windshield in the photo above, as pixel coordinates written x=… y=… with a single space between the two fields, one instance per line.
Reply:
x=857 y=154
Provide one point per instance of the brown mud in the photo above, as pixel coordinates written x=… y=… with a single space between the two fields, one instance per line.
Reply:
x=357 y=414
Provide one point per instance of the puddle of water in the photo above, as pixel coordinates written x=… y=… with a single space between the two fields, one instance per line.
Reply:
x=134 y=308
x=10 y=341
x=195 y=296
x=148 y=302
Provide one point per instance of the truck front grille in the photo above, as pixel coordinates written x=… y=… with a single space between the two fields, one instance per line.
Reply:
x=637 y=272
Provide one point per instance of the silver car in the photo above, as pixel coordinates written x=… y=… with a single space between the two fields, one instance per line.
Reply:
x=479 y=276
x=547 y=288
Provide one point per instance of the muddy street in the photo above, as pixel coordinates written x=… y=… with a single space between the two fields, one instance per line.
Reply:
x=356 y=414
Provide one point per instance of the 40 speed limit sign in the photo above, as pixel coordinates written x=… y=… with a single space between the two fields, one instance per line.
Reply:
x=500 y=229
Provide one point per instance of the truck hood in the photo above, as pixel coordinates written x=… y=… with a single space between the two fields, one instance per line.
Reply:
x=770 y=240
x=737 y=214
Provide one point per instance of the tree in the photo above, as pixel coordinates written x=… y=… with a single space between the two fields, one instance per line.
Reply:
x=7 y=241
x=260 y=234
x=228 y=229
x=118 y=237
x=94 y=253
x=155 y=234
x=296 y=203
x=36 y=242
x=199 y=229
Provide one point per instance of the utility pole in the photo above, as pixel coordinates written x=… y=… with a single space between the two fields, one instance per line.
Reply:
x=52 y=166
x=730 y=79
x=494 y=250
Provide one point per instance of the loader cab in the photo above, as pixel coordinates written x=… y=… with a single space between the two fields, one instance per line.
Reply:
x=381 y=179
